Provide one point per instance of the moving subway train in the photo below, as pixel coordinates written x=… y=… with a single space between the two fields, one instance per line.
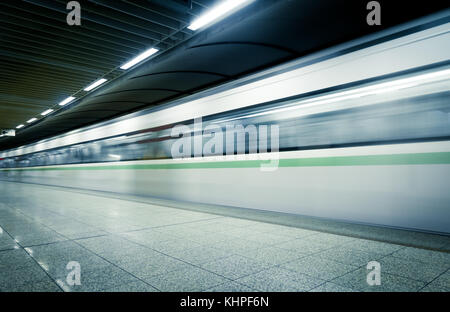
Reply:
x=361 y=135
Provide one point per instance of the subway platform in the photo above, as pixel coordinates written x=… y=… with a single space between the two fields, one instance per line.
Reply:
x=128 y=244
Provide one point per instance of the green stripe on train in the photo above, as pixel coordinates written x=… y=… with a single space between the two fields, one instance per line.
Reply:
x=366 y=160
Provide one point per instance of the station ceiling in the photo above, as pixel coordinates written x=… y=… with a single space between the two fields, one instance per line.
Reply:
x=43 y=60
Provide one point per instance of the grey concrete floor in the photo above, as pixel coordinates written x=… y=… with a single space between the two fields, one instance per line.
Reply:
x=125 y=245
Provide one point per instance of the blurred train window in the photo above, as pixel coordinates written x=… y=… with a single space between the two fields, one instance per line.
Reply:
x=421 y=112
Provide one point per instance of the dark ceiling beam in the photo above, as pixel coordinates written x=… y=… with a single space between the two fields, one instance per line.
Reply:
x=82 y=38
x=73 y=82
x=71 y=63
x=22 y=87
x=57 y=41
x=196 y=10
x=58 y=55
x=21 y=99
x=198 y=3
x=28 y=111
x=111 y=9
x=32 y=59
x=51 y=96
x=24 y=83
x=146 y=5
x=67 y=52
x=142 y=14
x=98 y=19
x=97 y=32
x=22 y=67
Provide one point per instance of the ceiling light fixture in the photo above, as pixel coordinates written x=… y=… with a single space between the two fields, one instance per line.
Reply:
x=67 y=100
x=217 y=12
x=95 y=84
x=139 y=58
x=48 y=111
x=20 y=126
x=32 y=120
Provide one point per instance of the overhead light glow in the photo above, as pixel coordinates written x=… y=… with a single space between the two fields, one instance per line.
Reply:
x=139 y=58
x=95 y=84
x=20 y=126
x=32 y=120
x=48 y=111
x=217 y=12
x=68 y=100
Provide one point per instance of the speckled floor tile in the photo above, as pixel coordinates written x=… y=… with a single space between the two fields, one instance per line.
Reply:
x=349 y=256
x=330 y=239
x=318 y=267
x=200 y=255
x=292 y=232
x=279 y=279
x=54 y=258
x=234 y=266
x=304 y=245
x=14 y=259
x=189 y=279
x=136 y=286
x=6 y=242
x=45 y=237
x=389 y=283
x=268 y=238
x=153 y=265
x=440 y=284
x=373 y=246
x=236 y=245
x=230 y=287
x=272 y=255
x=97 y=280
x=331 y=287
x=411 y=269
x=428 y=256
x=26 y=275
x=43 y=286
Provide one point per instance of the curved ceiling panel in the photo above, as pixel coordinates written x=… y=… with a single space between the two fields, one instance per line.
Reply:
x=223 y=59
x=112 y=105
x=288 y=27
x=177 y=80
x=147 y=96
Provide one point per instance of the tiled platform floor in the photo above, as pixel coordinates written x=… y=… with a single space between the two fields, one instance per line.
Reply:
x=130 y=246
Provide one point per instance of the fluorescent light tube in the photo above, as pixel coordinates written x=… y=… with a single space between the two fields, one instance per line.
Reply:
x=139 y=58
x=32 y=120
x=95 y=84
x=48 y=111
x=68 y=100
x=20 y=126
x=215 y=13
